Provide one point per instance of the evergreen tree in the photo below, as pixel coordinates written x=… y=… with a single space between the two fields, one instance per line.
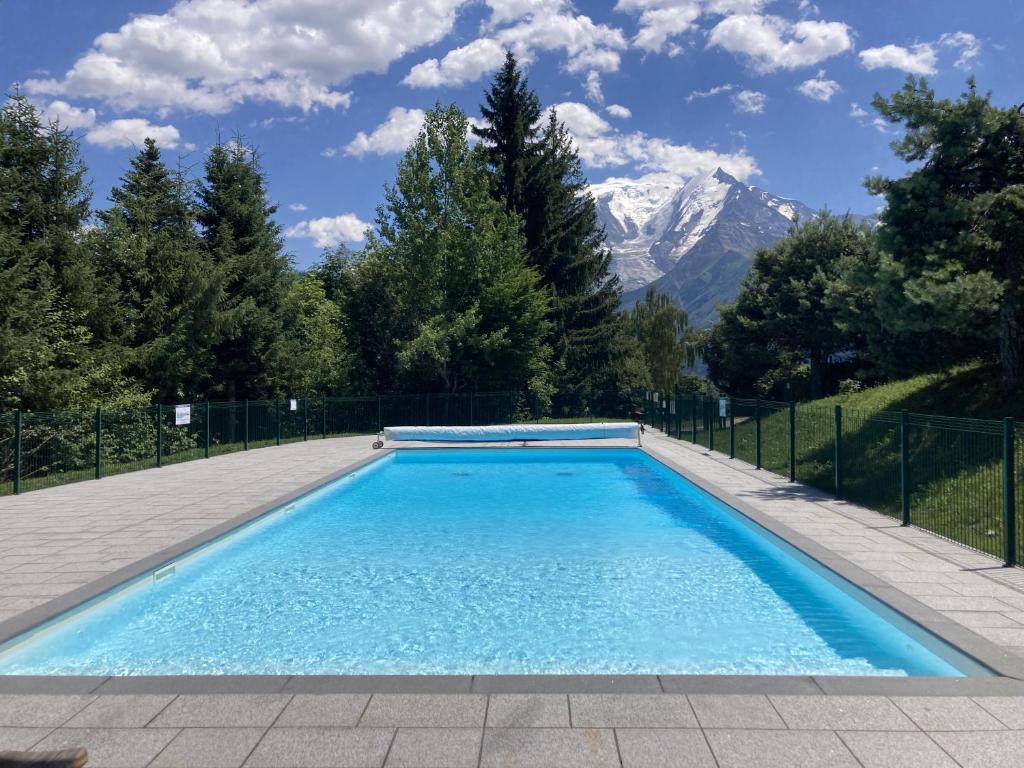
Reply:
x=166 y=287
x=244 y=242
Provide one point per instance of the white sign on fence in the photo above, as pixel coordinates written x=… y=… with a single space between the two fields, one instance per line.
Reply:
x=293 y=404
x=722 y=407
x=182 y=415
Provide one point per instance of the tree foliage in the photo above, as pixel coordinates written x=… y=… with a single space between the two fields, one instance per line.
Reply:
x=664 y=335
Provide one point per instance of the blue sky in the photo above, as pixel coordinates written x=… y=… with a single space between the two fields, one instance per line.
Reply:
x=776 y=91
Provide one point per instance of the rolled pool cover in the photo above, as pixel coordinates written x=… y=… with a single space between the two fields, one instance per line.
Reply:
x=500 y=432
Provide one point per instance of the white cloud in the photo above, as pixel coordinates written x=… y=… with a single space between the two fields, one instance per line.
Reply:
x=662 y=21
x=715 y=91
x=393 y=135
x=593 y=87
x=750 y=101
x=857 y=111
x=771 y=43
x=968 y=45
x=328 y=231
x=132 y=132
x=601 y=146
x=328 y=152
x=919 y=59
x=210 y=55
x=617 y=110
x=297 y=207
x=67 y=115
x=819 y=88
x=461 y=65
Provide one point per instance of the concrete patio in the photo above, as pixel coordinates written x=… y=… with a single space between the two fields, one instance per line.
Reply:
x=64 y=544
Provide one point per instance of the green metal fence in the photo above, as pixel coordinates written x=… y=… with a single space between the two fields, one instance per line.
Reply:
x=962 y=479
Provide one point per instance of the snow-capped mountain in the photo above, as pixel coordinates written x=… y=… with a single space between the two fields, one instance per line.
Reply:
x=694 y=241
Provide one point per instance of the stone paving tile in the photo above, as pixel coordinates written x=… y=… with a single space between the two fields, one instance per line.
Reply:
x=209 y=748
x=846 y=713
x=779 y=749
x=112 y=747
x=664 y=710
x=528 y=710
x=20 y=739
x=322 y=748
x=338 y=709
x=425 y=710
x=984 y=750
x=435 y=748
x=1009 y=710
x=947 y=713
x=896 y=750
x=131 y=711
x=663 y=748
x=222 y=710
x=735 y=711
x=549 y=748
x=40 y=711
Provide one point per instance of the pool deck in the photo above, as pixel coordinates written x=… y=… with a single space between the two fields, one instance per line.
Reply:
x=62 y=545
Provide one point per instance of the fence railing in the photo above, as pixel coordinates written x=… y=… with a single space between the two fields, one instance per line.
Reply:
x=962 y=479
x=39 y=450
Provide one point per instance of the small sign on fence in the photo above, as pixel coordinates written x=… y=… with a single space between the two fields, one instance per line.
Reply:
x=182 y=415
x=293 y=404
x=723 y=406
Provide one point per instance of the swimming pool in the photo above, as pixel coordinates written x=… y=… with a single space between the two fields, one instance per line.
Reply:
x=492 y=561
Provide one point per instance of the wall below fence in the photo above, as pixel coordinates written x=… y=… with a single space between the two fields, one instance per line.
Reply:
x=962 y=479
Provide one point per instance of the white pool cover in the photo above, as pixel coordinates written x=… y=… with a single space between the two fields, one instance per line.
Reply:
x=501 y=432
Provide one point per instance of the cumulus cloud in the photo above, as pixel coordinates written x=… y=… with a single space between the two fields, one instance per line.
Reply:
x=968 y=45
x=210 y=55
x=857 y=111
x=67 y=115
x=461 y=65
x=750 y=101
x=393 y=135
x=819 y=88
x=593 y=87
x=918 y=59
x=617 y=110
x=662 y=21
x=132 y=132
x=329 y=231
x=772 y=43
x=602 y=146
x=715 y=91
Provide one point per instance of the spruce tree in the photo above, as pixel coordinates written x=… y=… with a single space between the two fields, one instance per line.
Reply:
x=244 y=242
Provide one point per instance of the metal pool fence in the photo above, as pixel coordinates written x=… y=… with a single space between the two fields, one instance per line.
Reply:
x=39 y=450
x=962 y=479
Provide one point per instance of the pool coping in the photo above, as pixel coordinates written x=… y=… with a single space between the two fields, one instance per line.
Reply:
x=1007 y=677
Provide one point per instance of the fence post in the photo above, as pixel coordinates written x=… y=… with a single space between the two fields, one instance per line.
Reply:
x=905 y=467
x=839 y=452
x=99 y=443
x=757 y=434
x=709 y=409
x=323 y=415
x=305 y=418
x=17 y=451
x=206 y=447
x=277 y=419
x=246 y=442
x=380 y=418
x=1009 y=503
x=792 y=441
x=693 y=421
x=159 y=435
x=732 y=430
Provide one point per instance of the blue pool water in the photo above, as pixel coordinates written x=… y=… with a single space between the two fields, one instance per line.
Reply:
x=491 y=562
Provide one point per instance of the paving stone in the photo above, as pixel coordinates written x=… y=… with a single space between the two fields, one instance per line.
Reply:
x=222 y=710
x=21 y=739
x=735 y=711
x=435 y=748
x=983 y=750
x=845 y=713
x=947 y=713
x=779 y=749
x=1009 y=710
x=663 y=748
x=549 y=748
x=322 y=748
x=337 y=709
x=665 y=710
x=130 y=711
x=40 y=711
x=112 y=747
x=896 y=750
x=528 y=710
x=425 y=710
x=209 y=748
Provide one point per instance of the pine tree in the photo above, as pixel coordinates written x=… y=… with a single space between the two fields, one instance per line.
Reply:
x=245 y=244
